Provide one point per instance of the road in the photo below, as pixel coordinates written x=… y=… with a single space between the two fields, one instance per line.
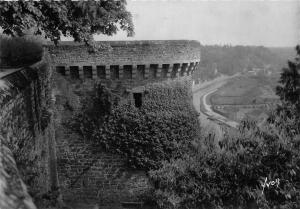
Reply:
x=208 y=117
x=208 y=111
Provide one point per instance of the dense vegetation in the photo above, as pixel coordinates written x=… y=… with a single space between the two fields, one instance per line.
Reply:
x=229 y=60
x=52 y=19
x=147 y=135
x=234 y=172
x=289 y=88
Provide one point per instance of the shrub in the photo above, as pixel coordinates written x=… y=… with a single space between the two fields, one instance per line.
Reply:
x=231 y=174
x=20 y=51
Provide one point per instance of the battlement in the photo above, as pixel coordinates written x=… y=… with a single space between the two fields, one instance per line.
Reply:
x=131 y=61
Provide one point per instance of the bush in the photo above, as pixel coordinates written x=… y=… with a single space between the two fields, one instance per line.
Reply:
x=20 y=51
x=231 y=174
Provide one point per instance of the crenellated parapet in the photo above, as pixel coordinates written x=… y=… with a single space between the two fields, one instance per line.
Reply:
x=127 y=72
x=135 y=62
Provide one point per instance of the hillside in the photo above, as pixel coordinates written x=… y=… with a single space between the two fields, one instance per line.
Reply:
x=228 y=60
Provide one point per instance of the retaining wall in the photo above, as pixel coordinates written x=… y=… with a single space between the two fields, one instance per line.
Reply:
x=24 y=99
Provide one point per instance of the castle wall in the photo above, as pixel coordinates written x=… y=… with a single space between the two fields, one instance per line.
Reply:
x=98 y=177
x=13 y=191
x=91 y=176
x=30 y=135
x=131 y=63
x=85 y=173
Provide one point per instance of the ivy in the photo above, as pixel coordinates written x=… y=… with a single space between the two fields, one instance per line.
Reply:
x=145 y=136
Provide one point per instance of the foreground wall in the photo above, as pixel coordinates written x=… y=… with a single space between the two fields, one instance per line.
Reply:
x=24 y=135
x=13 y=191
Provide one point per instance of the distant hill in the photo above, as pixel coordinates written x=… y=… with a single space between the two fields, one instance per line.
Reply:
x=228 y=60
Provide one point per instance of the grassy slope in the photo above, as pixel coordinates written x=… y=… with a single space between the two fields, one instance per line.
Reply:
x=245 y=90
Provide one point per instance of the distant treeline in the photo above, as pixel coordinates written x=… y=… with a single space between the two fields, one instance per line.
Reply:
x=228 y=60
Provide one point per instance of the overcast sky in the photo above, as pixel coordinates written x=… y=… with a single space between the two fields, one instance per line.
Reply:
x=236 y=22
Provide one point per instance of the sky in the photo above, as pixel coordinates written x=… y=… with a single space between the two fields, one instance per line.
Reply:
x=235 y=22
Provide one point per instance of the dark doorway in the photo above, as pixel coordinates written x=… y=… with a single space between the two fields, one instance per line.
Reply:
x=137 y=99
x=61 y=70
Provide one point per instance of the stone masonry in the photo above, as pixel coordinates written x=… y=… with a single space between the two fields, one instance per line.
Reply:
x=131 y=63
x=38 y=151
x=24 y=142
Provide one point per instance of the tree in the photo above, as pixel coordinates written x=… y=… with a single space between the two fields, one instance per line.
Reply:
x=286 y=117
x=78 y=19
x=289 y=90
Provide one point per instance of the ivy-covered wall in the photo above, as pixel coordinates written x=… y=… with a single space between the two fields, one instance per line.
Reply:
x=13 y=191
x=44 y=155
x=103 y=176
x=25 y=100
x=85 y=174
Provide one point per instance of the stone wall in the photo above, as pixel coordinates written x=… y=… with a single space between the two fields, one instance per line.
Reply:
x=24 y=118
x=84 y=174
x=90 y=176
x=39 y=151
x=131 y=63
x=13 y=191
x=87 y=175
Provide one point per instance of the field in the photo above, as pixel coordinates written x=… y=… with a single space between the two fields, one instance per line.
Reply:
x=246 y=96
